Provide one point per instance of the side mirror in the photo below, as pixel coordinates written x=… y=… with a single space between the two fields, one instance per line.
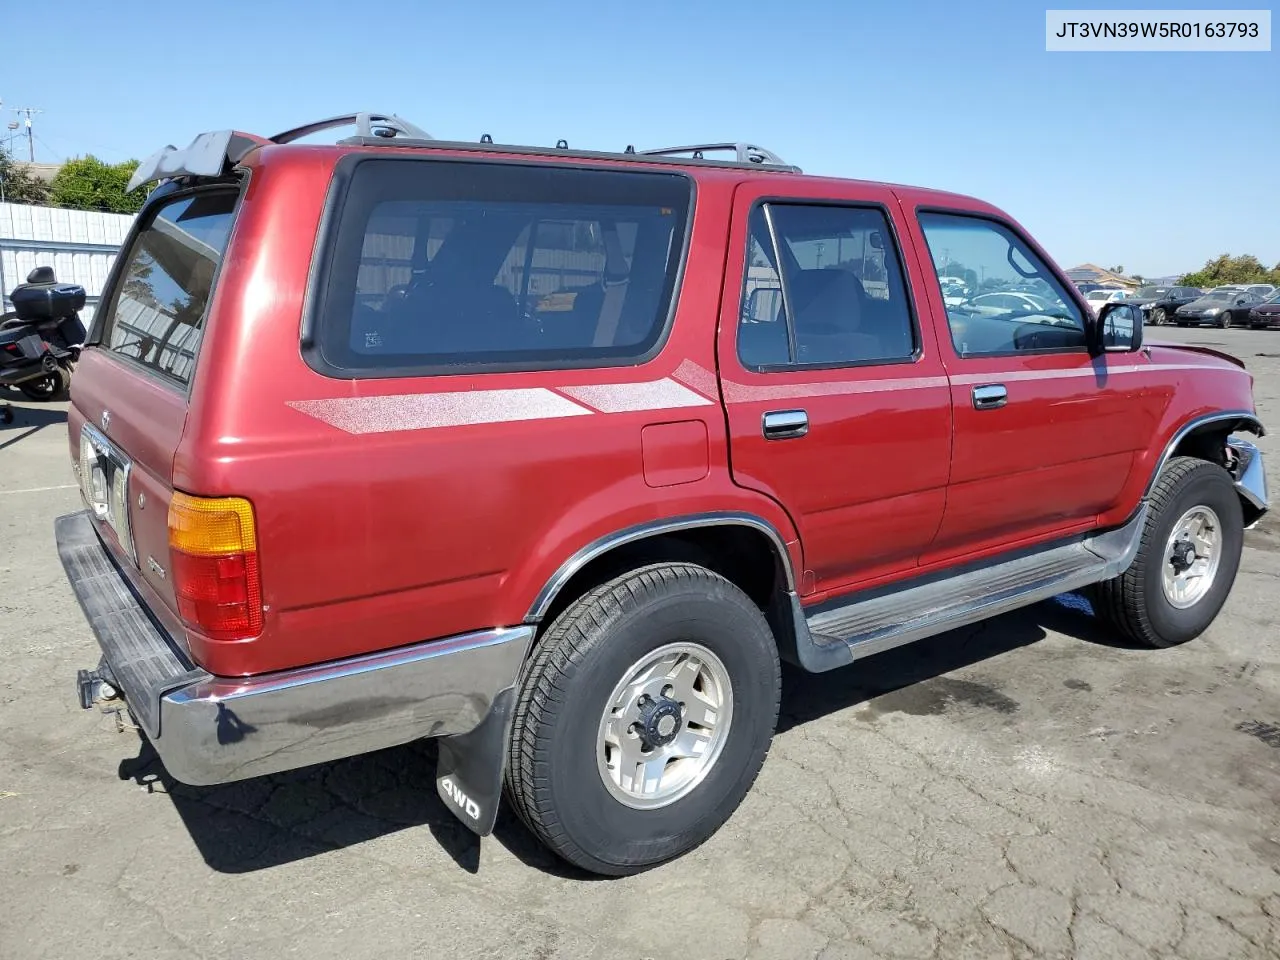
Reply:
x=876 y=240
x=1118 y=328
x=764 y=305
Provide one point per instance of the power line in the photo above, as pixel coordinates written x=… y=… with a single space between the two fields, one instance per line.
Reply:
x=55 y=153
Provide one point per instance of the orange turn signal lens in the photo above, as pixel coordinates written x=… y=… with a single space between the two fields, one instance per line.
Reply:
x=213 y=549
x=211 y=527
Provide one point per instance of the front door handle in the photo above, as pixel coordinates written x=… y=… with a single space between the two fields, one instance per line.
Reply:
x=785 y=424
x=990 y=396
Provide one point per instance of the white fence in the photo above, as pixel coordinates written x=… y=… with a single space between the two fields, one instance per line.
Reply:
x=78 y=244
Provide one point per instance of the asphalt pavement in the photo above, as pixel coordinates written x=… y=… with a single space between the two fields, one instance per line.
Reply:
x=1028 y=787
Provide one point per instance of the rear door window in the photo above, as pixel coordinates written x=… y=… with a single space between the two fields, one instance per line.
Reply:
x=162 y=293
x=440 y=265
x=840 y=298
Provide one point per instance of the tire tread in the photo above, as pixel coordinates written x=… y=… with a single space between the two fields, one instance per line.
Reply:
x=550 y=671
x=1122 y=601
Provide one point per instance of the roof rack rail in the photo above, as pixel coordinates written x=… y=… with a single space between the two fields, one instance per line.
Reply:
x=385 y=126
x=742 y=153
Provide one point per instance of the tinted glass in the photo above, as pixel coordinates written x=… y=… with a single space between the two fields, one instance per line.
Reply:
x=995 y=260
x=844 y=299
x=440 y=264
x=158 y=309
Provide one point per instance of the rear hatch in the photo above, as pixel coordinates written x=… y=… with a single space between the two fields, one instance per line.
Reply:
x=129 y=391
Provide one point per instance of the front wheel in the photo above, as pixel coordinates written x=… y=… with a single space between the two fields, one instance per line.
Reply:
x=1157 y=317
x=1187 y=560
x=643 y=718
x=1224 y=319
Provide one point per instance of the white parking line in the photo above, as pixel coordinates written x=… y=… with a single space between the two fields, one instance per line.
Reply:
x=61 y=486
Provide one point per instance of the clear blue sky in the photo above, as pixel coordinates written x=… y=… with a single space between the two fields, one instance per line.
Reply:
x=1153 y=161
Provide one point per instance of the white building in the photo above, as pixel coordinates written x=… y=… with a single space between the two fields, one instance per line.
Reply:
x=80 y=245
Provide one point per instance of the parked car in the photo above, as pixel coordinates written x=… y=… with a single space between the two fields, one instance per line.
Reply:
x=362 y=488
x=1220 y=307
x=1266 y=314
x=1263 y=290
x=1159 y=310
x=1103 y=295
x=1004 y=303
x=954 y=292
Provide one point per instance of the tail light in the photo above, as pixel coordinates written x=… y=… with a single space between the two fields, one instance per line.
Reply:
x=213 y=550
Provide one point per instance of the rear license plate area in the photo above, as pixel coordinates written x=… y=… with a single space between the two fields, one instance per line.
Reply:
x=104 y=484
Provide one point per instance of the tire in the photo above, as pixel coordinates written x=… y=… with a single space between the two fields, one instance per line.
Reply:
x=1136 y=602
x=557 y=779
x=53 y=387
x=1158 y=317
x=1224 y=320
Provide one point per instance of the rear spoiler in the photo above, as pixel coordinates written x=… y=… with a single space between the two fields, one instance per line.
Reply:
x=215 y=154
x=208 y=155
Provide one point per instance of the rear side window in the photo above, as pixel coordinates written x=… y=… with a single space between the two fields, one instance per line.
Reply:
x=823 y=286
x=437 y=265
x=158 y=307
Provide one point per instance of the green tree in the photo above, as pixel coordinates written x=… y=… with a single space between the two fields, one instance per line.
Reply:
x=87 y=183
x=1228 y=269
x=17 y=184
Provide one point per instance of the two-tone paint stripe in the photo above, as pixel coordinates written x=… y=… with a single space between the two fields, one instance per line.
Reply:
x=691 y=385
x=424 y=411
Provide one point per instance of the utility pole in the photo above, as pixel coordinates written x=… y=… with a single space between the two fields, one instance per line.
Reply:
x=31 y=147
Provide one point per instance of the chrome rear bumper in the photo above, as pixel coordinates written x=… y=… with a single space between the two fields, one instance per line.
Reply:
x=209 y=729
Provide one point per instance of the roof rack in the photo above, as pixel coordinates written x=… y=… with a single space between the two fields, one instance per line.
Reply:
x=745 y=155
x=216 y=153
x=742 y=153
x=385 y=126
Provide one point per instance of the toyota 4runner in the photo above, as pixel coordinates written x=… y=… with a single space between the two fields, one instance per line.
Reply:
x=554 y=456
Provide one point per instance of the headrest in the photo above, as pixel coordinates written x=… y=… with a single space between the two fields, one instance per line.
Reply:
x=829 y=298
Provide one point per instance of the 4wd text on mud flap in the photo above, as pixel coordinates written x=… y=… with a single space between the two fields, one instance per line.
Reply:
x=465 y=803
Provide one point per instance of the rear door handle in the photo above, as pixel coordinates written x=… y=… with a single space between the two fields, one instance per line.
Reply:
x=990 y=396
x=785 y=424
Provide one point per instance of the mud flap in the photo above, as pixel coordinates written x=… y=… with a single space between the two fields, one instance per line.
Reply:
x=469 y=770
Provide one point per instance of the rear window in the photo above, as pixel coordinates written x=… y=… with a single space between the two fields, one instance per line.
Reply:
x=157 y=310
x=437 y=265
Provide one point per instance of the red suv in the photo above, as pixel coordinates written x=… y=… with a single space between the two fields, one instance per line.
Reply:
x=555 y=455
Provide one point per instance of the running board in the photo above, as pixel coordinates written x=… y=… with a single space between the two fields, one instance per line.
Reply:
x=870 y=624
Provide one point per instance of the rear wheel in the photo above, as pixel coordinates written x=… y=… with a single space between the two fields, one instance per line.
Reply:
x=643 y=719
x=1187 y=561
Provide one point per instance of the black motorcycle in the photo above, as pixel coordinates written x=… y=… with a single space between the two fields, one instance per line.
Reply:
x=40 y=340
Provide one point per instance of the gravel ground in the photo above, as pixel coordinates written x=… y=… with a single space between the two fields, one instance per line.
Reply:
x=1024 y=788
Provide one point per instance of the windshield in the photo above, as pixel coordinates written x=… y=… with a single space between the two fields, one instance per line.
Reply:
x=1151 y=293
x=1099 y=294
x=1274 y=298
x=1221 y=295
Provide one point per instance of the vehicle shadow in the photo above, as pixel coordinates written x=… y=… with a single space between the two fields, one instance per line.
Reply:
x=28 y=418
x=267 y=821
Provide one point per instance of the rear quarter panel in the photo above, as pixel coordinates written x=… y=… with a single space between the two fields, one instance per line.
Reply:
x=382 y=521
